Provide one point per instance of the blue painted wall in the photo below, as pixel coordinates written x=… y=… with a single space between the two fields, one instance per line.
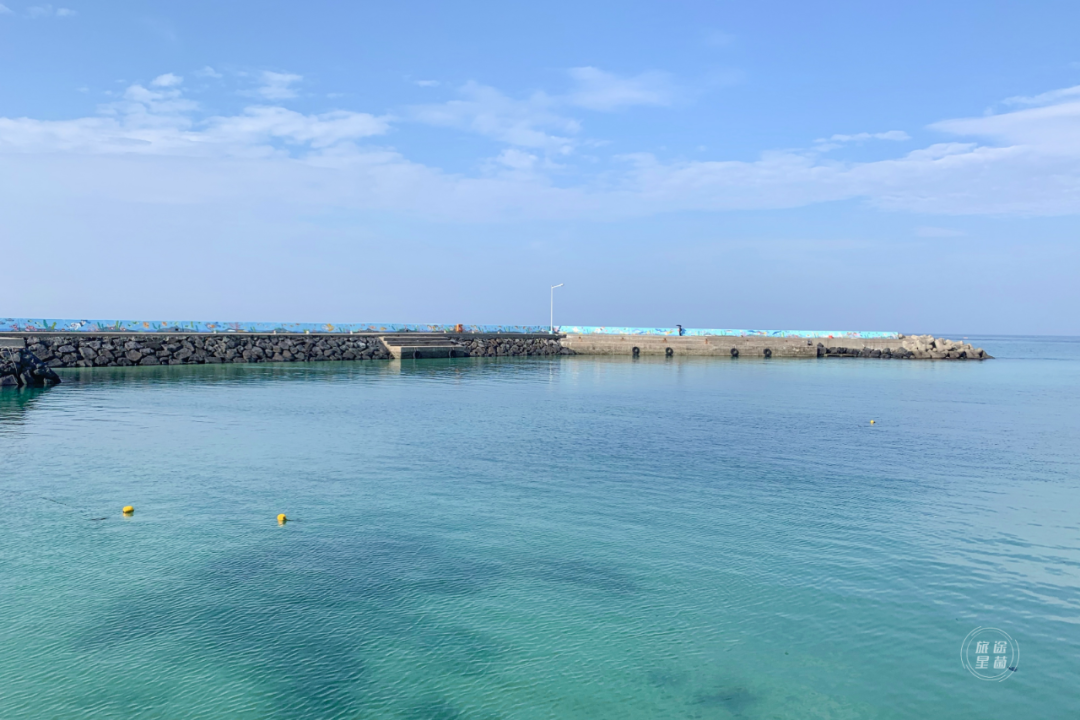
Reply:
x=163 y=326
x=592 y=330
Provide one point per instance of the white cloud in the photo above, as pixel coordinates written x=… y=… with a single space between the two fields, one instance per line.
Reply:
x=209 y=72
x=486 y=111
x=897 y=135
x=1053 y=129
x=5 y=10
x=426 y=83
x=541 y=120
x=43 y=11
x=599 y=90
x=1047 y=98
x=153 y=144
x=161 y=122
x=260 y=124
x=278 y=86
x=167 y=80
x=928 y=231
x=517 y=159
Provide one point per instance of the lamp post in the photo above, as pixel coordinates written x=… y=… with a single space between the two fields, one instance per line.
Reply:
x=553 y=307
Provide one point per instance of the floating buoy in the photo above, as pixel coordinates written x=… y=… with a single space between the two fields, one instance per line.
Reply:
x=128 y=509
x=871 y=422
x=281 y=518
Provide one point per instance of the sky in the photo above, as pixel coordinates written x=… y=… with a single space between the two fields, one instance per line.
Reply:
x=912 y=167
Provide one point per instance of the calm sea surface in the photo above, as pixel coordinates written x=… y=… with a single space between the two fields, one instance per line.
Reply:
x=567 y=538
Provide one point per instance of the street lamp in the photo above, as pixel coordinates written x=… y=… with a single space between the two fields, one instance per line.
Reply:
x=553 y=306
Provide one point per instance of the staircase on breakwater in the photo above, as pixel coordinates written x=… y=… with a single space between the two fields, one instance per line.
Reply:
x=410 y=346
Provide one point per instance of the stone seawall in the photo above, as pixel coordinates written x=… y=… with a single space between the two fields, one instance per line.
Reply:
x=511 y=346
x=68 y=351
x=130 y=349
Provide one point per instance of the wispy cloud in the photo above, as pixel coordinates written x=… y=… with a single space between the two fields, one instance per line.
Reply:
x=160 y=121
x=542 y=120
x=928 y=231
x=167 y=80
x=599 y=90
x=278 y=86
x=517 y=159
x=155 y=142
x=45 y=11
x=426 y=83
x=896 y=135
x=1046 y=98
x=530 y=122
x=5 y=10
x=209 y=72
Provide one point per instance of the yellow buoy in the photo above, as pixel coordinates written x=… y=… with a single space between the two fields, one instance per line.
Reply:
x=281 y=518
x=128 y=509
x=871 y=422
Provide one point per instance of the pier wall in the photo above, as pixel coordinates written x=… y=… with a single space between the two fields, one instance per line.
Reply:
x=719 y=346
x=95 y=343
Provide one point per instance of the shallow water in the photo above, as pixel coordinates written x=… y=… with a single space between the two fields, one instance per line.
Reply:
x=567 y=538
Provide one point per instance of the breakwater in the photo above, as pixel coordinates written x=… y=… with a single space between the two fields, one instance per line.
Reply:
x=84 y=351
x=47 y=344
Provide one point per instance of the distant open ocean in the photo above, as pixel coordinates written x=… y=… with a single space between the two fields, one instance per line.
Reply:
x=573 y=538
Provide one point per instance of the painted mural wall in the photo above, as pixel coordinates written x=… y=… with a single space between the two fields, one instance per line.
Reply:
x=188 y=326
x=698 y=332
x=27 y=325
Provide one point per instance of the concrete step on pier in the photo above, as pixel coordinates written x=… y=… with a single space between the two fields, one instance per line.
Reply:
x=410 y=346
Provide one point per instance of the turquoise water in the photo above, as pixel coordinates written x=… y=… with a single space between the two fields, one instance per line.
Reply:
x=567 y=538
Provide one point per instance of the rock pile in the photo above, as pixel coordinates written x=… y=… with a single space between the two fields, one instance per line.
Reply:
x=110 y=351
x=927 y=347
x=20 y=367
x=912 y=347
x=506 y=346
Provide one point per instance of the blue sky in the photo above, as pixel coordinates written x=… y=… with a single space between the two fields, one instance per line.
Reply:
x=755 y=165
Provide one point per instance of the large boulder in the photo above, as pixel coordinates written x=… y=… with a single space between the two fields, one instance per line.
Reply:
x=21 y=367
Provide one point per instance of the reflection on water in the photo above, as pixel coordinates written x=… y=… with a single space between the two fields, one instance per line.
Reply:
x=15 y=402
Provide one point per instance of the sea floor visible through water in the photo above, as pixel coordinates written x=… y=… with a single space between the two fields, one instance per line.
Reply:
x=580 y=537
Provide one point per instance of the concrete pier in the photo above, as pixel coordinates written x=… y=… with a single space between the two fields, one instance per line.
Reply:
x=761 y=346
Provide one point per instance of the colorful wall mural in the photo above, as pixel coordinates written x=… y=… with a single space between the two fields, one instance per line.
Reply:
x=168 y=326
x=27 y=325
x=592 y=330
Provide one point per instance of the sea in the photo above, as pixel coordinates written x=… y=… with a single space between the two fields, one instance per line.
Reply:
x=565 y=538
